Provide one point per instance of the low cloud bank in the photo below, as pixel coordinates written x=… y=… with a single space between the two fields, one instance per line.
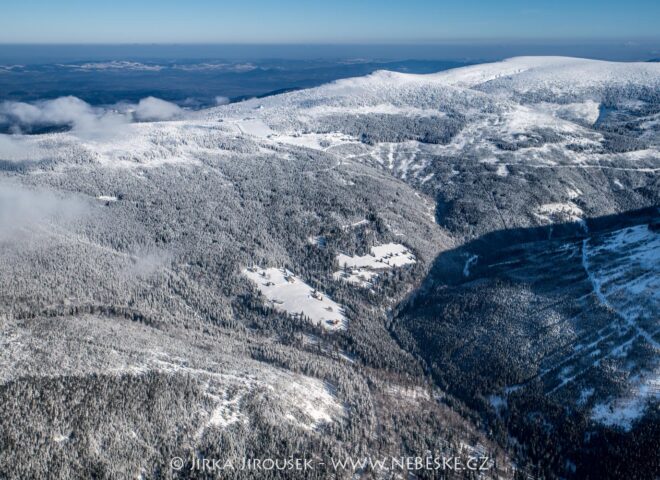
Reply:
x=81 y=117
x=153 y=109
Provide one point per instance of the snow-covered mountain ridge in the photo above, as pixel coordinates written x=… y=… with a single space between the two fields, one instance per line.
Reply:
x=381 y=261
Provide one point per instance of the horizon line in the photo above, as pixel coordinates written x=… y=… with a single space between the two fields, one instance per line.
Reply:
x=420 y=42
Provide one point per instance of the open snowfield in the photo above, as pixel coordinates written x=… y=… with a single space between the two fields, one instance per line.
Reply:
x=586 y=112
x=290 y=294
x=362 y=269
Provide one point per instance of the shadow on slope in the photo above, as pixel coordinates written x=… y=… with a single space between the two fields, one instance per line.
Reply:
x=515 y=326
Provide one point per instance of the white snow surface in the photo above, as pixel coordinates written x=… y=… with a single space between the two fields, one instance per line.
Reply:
x=586 y=112
x=547 y=72
x=361 y=269
x=624 y=269
x=357 y=276
x=381 y=257
x=560 y=212
x=563 y=94
x=623 y=412
x=290 y=294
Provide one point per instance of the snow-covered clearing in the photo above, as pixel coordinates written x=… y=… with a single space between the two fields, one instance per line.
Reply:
x=586 y=112
x=559 y=212
x=360 y=276
x=254 y=126
x=361 y=269
x=290 y=294
x=623 y=412
x=316 y=141
x=226 y=412
x=502 y=171
x=315 y=398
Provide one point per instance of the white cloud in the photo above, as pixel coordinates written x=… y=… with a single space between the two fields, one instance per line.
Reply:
x=220 y=100
x=224 y=67
x=86 y=121
x=147 y=261
x=16 y=148
x=61 y=111
x=22 y=209
x=83 y=119
x=116 y=65
x=154 y=109
x=19 y=112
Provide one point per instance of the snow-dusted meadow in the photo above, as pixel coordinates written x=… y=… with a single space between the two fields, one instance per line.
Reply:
x=284 y=291
x=362 y=269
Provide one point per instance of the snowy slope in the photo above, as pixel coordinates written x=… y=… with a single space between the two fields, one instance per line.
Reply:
x=538 y=112
x=361 y=269
x=519 y=74
x=166 y=219
x=624 y=269
x=528 y=132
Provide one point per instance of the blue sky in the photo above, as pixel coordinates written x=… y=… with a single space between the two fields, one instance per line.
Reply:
x=312 y=21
